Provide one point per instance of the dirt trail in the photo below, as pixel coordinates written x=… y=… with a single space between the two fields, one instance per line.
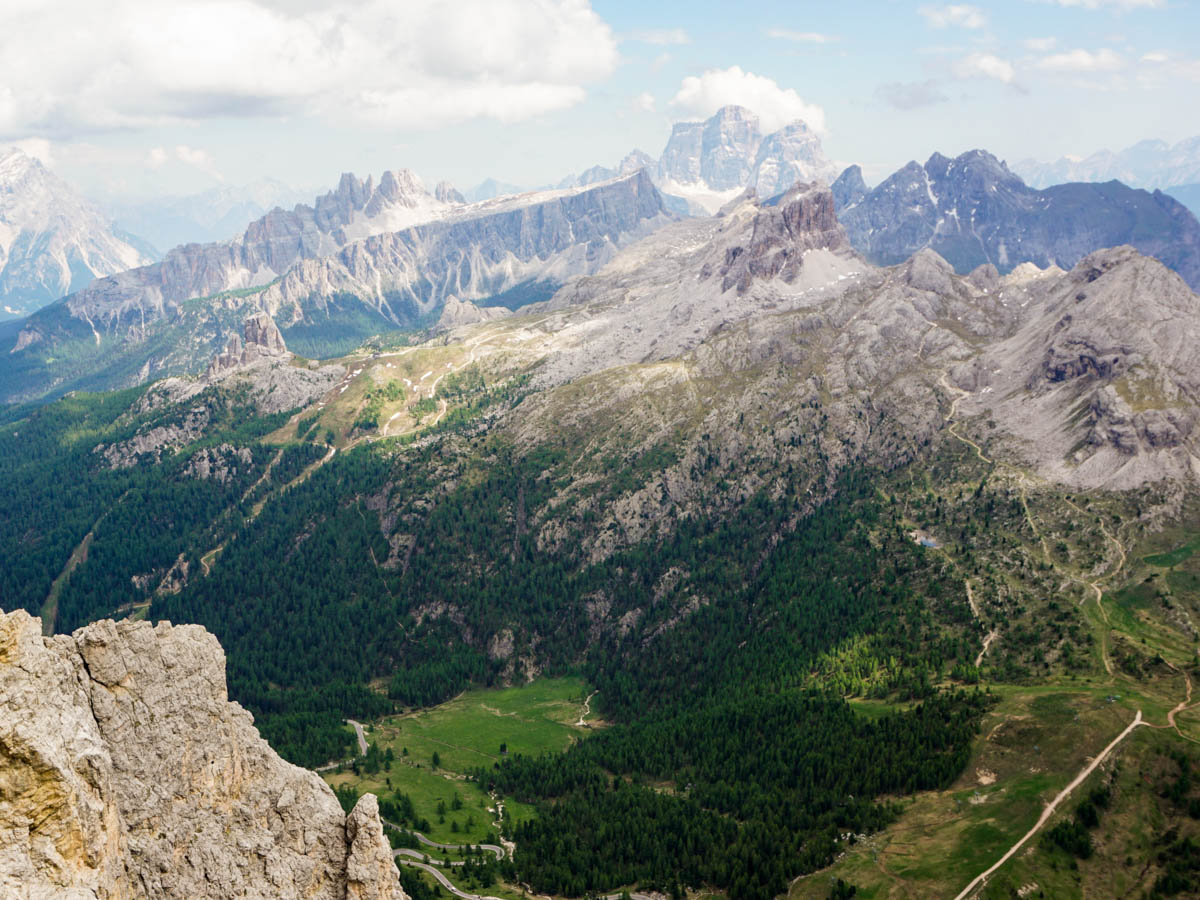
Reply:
x=987 y=642
x=586 y=711
x=1087 y=770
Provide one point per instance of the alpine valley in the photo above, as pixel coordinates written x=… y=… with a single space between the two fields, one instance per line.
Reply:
x=845 y=539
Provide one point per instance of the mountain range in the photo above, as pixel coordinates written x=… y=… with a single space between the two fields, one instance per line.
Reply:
x=974 y=210
x=1172 y=168
x=364 y=258
x=858 y=525
x=52 y=240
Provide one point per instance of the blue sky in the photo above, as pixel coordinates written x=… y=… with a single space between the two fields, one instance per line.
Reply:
x=133 y=97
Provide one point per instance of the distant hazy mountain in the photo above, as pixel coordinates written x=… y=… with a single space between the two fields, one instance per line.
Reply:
x=213 y=215
x=1147 y=164
x=974 y=210
x=52 y=240
x=706 y=164
x=490 y=188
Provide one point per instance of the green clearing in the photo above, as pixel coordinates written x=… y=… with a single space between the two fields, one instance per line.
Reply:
x=466 y=733
x=1174 y=557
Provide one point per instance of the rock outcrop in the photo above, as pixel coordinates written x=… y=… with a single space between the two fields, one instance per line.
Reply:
x=125 y=772
x=262 y=341
x=803 y=220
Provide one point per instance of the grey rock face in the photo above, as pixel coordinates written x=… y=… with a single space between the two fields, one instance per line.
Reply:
x=803 y=220
x=1098 y=379
x=973 y=210
x=262 y=340
x=129 y=774
x=482 y=252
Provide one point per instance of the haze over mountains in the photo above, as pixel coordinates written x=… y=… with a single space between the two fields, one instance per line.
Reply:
x=1174 y=168
x=216 y=214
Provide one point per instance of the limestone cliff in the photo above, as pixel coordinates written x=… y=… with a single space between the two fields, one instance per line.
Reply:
x=125 y=772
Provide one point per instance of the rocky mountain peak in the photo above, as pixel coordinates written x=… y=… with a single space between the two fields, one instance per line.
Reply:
x=445 y=192
x=705 y=163
x=52 y=240
x=129 y=774
x=849 y=187
x=634 y=160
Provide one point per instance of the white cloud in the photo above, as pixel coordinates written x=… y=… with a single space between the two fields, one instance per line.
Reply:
x=775 y=106
x=1103 y=60
x=157 y=157
x=644 y=102
x=1112 y=4
x=955 y=15
x=1156 y=56
x=801 y=37
x=69 y=67
x=1040 y=45
x=662 y=36
x=983 y=65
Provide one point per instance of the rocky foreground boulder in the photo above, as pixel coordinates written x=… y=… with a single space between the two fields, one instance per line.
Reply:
x=126 y=772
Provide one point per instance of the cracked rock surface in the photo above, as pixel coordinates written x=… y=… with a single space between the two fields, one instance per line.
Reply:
x=125 y=771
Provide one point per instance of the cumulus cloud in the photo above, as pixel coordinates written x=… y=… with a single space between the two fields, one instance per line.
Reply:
x=955 y=15
x=703 y=95
x=801 y=37
x=69 y=67
x=983 y=65
x=910 y=95
x=644 y=102
x=662 y=36
x=1103 y=60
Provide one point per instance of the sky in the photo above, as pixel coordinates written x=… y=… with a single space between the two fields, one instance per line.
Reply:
x=136 y=98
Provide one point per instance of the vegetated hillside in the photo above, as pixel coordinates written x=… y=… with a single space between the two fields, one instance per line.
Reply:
x=744 y=482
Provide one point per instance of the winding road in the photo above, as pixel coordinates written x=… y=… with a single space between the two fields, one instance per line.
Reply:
x=362 y=738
